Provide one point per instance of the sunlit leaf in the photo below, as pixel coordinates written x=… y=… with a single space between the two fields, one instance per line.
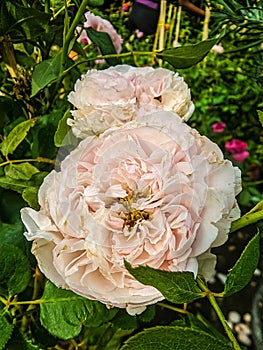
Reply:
x=16 y=136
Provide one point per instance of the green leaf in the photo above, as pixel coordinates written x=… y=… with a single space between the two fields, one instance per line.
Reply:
x=12 y=234
x=63 y=312
x=26 y=21
x=187 y=56
x=260 y=115
x=16 y=136
x=62 y=133
x=177 y=287
x=20 y=341
x=103 y=41
x=15 y=272
x=95 y=3
x=30 y=195
x=6 y=330
x=23 y=171
x=20 y=186
x=10 y=204
x=241 y=274
x=45 y=72
x=167 y=338
x=12 y=184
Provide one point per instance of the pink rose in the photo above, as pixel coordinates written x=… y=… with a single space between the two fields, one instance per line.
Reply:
x=100 y=25
x=218 y=127
x=152 y=192
x=113 y=96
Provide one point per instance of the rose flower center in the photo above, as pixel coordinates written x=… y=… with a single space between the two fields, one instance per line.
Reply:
x=132 y=216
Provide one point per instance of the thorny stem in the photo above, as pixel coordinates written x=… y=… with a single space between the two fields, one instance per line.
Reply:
x=211 y=297
x=38 y=160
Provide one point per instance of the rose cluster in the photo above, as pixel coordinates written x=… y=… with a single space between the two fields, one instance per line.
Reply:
x=141 y=186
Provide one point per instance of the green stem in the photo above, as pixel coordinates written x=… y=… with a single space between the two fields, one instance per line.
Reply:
x=66 y=42
x=38 y=160
x=213 y=302
x=2 y=300
x=173 y=308
x=253 y=216
x=47 y=6
x=70 y=34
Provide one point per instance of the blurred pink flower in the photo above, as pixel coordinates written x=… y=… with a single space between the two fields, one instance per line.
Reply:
x=139 y=34
x=100 y=25
x=218 y=127
x=235 y=145
x=238 y=149
x=240 y=156
x=126 y=6
x=218 y=49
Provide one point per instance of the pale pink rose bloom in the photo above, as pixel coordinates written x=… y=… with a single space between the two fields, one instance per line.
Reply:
x=162 y=88
x=100 y=25
x=122 y=93
x=152 y=192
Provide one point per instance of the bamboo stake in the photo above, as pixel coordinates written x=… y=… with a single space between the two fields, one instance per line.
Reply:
x=155 y=43
x=162 y=24
x=206 y=23
x=177 y=29
x=171 y=28
x=168 y=22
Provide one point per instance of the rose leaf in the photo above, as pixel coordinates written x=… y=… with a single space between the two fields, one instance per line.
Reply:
x=260 y=116
x=15 y=270
x=22 y=171
x=187 y=56
x=63 y=312
x=240 y=275
x=177 y=287
x=166 y=338
x=6 y=330
x=16 y=136
x=45 y=72
x=103 y=41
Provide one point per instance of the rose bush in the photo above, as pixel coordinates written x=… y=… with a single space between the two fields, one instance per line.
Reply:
x=119 y=94
x=152 y=192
